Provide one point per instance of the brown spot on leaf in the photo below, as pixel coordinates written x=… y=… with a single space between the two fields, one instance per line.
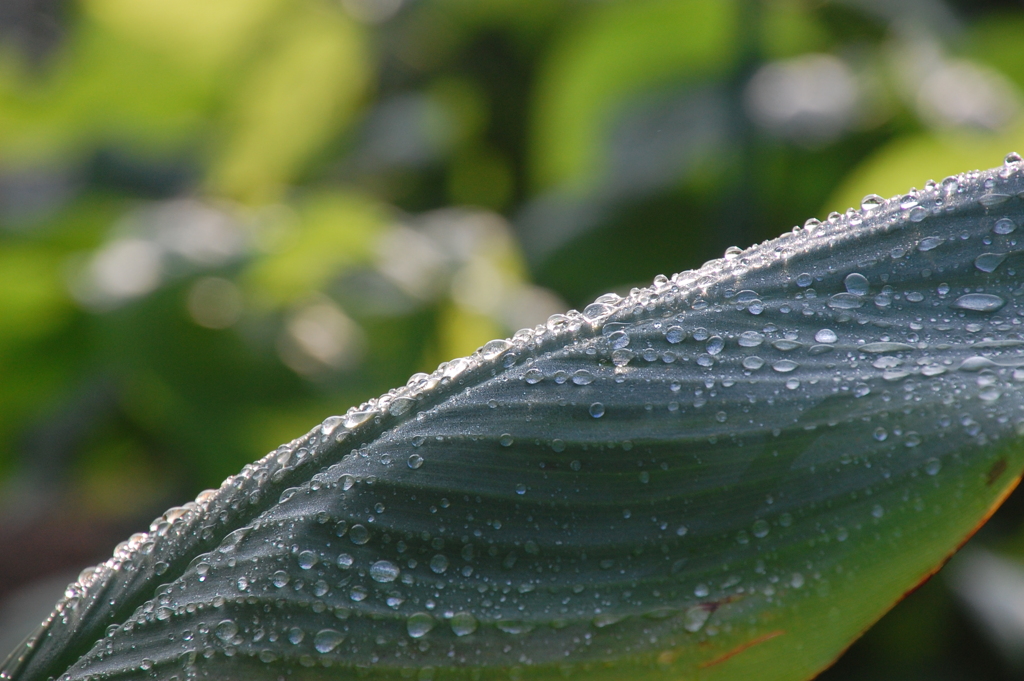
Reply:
x=740 y=648
x=998 y=468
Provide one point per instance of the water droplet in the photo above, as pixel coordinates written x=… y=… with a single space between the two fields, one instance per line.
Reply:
x=307 y=559
x=784 y=366
x=701 y=591
x=419 y=624
x=826 y=336
x=1004 y=226
x=912 y=439
x=345 y=561
x=597 y=410
x=989 y=262
x=930 y=243
x=760 y=529
x=857 y=284
x=384 y=571
x=226 y=630
x=694 y=618
x=675 y=334
x=439 y=563
x=979 y=302
x=845 y=301
x=280 y=579
x=1013 y=158
x=752 y=363
x=994 y=199
x=715 y=345
x=533 y=376
x=804 y=280
x=750 y=339
x=415 y=461
x=700 y=334
x=506 y=440
x=932 y=466
x=861 y=390
x=520 y=489
x=327 y=640
x=785 y=345
x=917 y=214
x=755 y=307
x=583 y=377
x=871 y=202
x=359 y=534
x=295 y=635
x=463 y=624
x=877 y=511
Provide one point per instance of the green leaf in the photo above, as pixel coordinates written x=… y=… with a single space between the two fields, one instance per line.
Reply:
x=728 y=475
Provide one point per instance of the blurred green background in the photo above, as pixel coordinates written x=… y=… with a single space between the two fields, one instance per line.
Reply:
x=222 y=221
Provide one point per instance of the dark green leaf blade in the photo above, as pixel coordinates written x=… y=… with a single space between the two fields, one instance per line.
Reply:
x=734 y=472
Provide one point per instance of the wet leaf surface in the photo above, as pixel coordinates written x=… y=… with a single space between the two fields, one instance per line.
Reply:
x=728 y=475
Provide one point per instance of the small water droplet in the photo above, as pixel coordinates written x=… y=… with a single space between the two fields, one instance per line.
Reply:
x=695 y=617
x=804 y=280
x=506 y=440
x=415 y=461
x=701 y=591
x=597 y=410
x=533 y=376
x=930 y=243
x=880 y=434
x=932 y=466
x=877 y=511
x=715 y=345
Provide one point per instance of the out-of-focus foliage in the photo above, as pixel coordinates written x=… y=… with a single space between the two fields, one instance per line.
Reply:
x=221 y=221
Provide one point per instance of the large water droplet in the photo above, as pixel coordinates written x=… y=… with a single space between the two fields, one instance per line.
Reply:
x=826 y=336
x=845 y=301
x=384 y=571
x=307 y=559
x=979 y=302
x=857 y=284
x=989 y=262
x=750 y=339
x=675 y=334
x=752 y=363
x=327 y=640
x=419 y=624
x=226 y=630
x=715 y=345
x=439 y=563
x=359 y=534
x=463 y=623
x=784 y=366
x=1004 y=226
x=583 y=377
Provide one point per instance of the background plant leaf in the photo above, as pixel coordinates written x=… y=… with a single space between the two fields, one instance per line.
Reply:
x=733 y=472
